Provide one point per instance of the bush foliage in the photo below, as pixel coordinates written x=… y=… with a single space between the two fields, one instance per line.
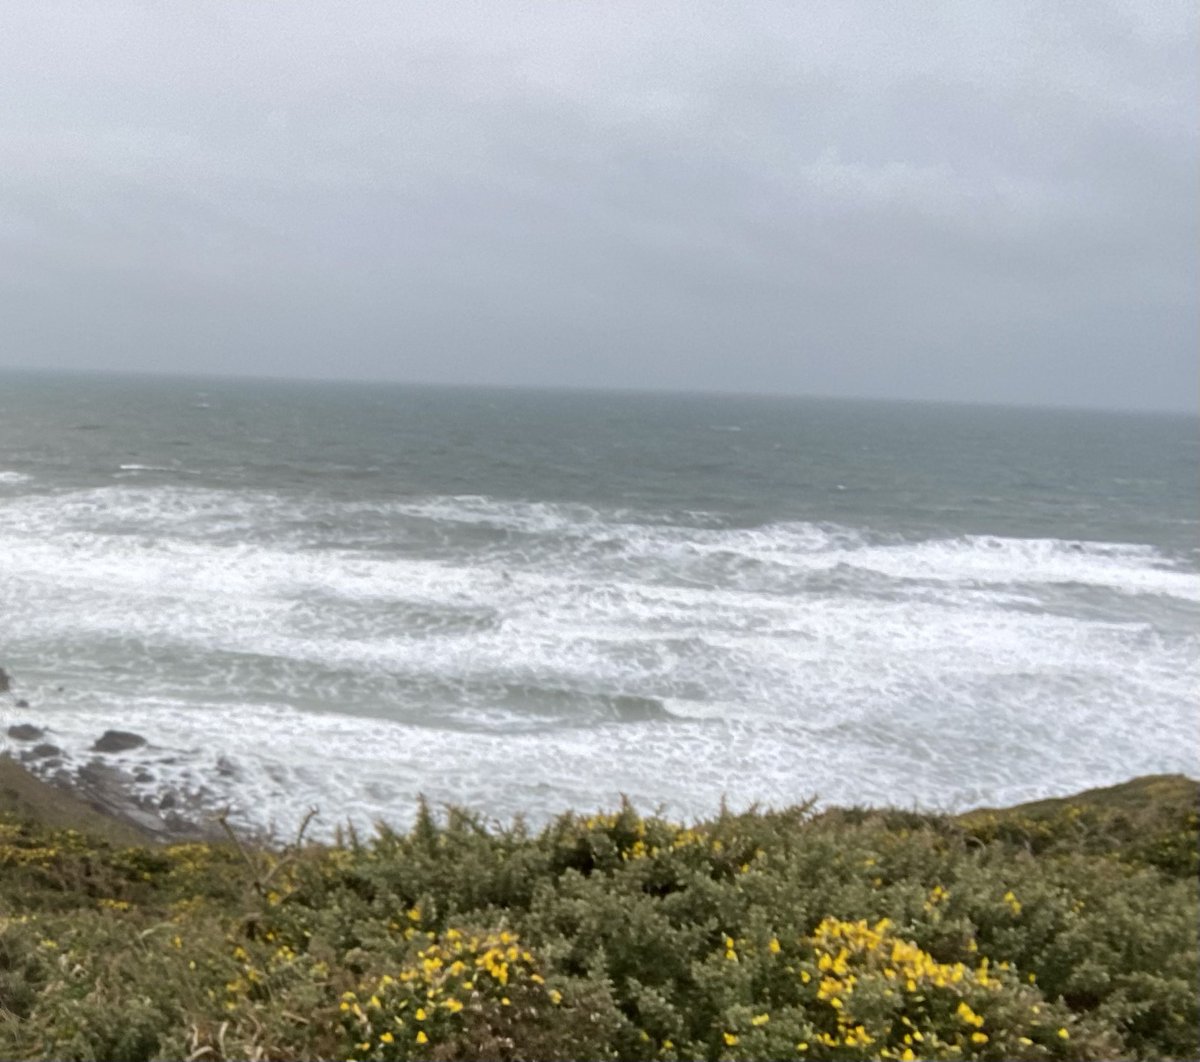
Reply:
x=1064 y=930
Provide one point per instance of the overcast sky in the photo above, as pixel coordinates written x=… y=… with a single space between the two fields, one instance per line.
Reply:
x=969 y=201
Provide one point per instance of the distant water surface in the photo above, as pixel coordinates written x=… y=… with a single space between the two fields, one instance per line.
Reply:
x=346 y=595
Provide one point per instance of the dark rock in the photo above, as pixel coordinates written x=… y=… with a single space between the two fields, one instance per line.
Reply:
x=142 y=775
x=44 y=751
x=5 y=681
x=25 y=732
x=22 y=703
x=106 y=789
x=118 y=741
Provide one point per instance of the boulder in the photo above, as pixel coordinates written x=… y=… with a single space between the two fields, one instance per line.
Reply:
x=25 y=732
x=118 y=741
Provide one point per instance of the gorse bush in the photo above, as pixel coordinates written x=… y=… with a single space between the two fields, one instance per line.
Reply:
x=1062 y=931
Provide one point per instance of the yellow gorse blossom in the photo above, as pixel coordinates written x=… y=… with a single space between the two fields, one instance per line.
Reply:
x=849 y=955
x=454 y=971
x=968 y=1015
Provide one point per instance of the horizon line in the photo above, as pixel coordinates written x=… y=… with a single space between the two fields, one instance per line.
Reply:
x=200 y=375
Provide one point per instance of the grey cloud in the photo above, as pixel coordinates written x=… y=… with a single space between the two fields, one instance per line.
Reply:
x=940 y=201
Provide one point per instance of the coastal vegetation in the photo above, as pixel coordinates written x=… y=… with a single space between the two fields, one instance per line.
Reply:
x=1059 y=930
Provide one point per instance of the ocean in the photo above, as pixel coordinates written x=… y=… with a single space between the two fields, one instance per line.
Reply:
x=346 y=595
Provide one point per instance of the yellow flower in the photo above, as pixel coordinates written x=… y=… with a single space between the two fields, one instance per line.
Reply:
x=421 y=1037
x=773 y=947
x=555 y=996
x=730 y=1039
x=386 y=1038
x=420 y=1014
x=979 y=1038
x=1063 y=1034
x=760 y=1019
x=453 y=1006
x=968 y=1015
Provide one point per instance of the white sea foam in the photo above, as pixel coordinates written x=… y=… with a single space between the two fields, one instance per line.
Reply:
x=532 y=656
x=135 y=468
x=273 y=762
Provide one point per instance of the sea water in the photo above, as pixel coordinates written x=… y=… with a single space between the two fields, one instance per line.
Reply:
x=346 y=595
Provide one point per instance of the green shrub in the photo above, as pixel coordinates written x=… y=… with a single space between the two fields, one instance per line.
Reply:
x=1062 y=931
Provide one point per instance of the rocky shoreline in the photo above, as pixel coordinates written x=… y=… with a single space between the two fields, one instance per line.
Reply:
x=36 y=774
